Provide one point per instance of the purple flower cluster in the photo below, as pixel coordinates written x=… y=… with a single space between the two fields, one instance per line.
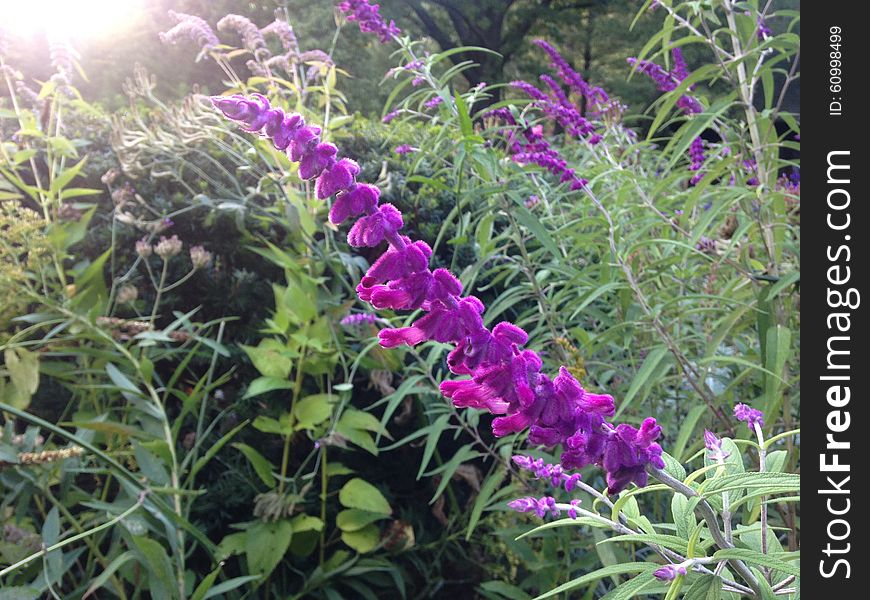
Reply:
x=761 y=29
x=252 y=37
x=750 y=416
x=369 y=19
x=595 y=96
x=282 y=30
x=502 y=376
x=542 y=506
x=192 y=28
x=555 y=473
x=668 y=81
x=356 y=320
x=669 y=572
x=530 y=147
x=696 y=154
x=556 y=104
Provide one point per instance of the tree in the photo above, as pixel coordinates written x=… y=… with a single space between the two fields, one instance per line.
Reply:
x=499 y=25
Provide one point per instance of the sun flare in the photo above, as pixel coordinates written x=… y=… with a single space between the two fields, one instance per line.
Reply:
x=75 y=19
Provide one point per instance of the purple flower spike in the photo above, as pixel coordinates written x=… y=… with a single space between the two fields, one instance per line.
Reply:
x=750 y=416
x=192 y=28
x=357 y=320
x=502 y=376
x=540 y=507
x=714 y=445
x=369 y=19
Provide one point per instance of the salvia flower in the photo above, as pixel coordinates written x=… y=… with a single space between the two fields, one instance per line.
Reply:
x=669 y=572
x=433 y=102
x=540 y=506
x=252 y=37
x=282 y=30
x=499 y=375
x=356 y=320
x=668 y=81
x=696 y=154
x=761 y=29
x=190 y=27
x=555 y=474
x=369 y=19
x=751 y=416
x=166 y=248
x=714 y=445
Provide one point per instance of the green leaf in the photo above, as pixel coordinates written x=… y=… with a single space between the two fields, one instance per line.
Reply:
x=262 y=467
x=53 y=561
x=362 y=540
x=486 y=491
x=705 y=587
x=619 y=569
x=358 y=493
x=506 y=590
x=683 y=514
x=23 y=367
x=261 y=385
x=686 y=430
x=354 y=519
x=214 y=449
x=120 y=380
x=778 y=350
x=229 y=585
x=206 y=584
x=162 y=582
x=150 y=465
x=270 y=358
x=639 y=381
x=266 y=543
x=631 y=588
x=312 y=410
x=757 y=558
x=303 y=522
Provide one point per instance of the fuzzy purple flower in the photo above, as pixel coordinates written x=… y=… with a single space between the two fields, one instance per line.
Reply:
x=540 y=506
x=404 y=149
x=433 y=102
x=750 y=416
x=554 y=473
x=192 y=28
x=369 y=19
x=252 y=37
x=668 y=81
x=282 y=30
x=357 y=320
x=696 y=155
x=669 y=572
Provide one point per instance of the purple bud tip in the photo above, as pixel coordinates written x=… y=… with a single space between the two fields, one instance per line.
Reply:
x=750 y=416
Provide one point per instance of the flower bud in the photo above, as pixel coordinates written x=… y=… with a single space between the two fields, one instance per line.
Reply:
x=200 y=257
x=166 y=248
